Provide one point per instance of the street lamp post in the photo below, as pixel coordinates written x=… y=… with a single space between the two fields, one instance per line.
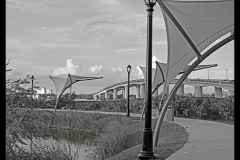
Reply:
x=128 y=110
x=226 y=74
x=122 y=94
x=32 y=78
x=208 y=74
x=147 y=147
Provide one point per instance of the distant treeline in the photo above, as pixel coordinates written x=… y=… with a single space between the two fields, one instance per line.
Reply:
x=84 y=96
x=76 y=96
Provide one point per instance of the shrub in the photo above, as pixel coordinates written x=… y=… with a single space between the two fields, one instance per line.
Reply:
x=204 y=108
x=184 y=106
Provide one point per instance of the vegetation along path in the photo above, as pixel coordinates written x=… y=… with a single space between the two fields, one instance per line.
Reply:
x=121 y=139
x=207 y=140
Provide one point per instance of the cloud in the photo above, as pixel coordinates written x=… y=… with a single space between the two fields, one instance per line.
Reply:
x=15 y=73
x=110 y=72
x=92 y=46
x=99 y=25
x=69 y=69
x=46 y=7
x=125 y=51
x=154 y=59
x=46 y=31
x=96 y=69
x=109 y=1
x=116 y=69
x=110 y=75
x=16 y=44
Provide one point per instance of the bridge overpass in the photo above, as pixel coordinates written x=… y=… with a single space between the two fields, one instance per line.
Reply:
x=140 y=87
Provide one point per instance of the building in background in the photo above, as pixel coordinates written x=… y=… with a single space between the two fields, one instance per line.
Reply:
x=43 y=91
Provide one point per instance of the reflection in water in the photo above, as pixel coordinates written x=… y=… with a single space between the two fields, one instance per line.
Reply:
x=69 y=135
x=78 y=144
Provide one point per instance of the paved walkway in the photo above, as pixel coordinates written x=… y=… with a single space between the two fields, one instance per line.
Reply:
x=207 y=140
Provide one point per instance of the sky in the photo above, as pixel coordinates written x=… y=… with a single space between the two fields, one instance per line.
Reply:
x=90 y=38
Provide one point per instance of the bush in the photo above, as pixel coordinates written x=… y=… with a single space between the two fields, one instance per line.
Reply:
x=184 y=106
x=204 y=108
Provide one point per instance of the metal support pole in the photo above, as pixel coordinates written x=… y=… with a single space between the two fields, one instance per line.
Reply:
x=32 y=95
x=180 y=81
x=122 y=94
x=70 y=86
x=128 y=110
x=147 y=147
x=208 y=74
x=55 y=108
x=70 y=92
x=226 y=74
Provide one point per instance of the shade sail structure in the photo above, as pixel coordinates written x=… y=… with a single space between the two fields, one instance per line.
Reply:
x=143 y=69
x=160 y=73
x=191 y=27
x=161 y=70
x=61 y=84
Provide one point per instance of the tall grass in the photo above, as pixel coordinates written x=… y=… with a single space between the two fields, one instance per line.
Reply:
x=111 y=136
x=26 y=126
x=112 y=141
x=22 y=128
x=172 y=137
x=43 y=151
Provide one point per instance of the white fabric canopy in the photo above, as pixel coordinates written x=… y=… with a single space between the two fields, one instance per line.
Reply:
x=61 y=84
x=203 y=21
x=159 y=73
x=143 y=69
x=58 y=83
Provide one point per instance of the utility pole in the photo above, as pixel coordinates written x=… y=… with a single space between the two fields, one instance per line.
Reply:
x=226 y=74
x=208 y=74
x=32 y=78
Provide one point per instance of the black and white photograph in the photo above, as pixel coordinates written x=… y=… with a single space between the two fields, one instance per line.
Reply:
x=119 y=80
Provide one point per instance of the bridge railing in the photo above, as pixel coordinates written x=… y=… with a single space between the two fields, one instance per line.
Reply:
x=120 y=83
x=189 y=80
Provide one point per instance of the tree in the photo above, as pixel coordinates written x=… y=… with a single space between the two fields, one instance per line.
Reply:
x=8 y=64
x=18 y=92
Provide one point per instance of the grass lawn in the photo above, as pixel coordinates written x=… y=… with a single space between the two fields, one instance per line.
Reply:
x=219 y=121
x=172 y=137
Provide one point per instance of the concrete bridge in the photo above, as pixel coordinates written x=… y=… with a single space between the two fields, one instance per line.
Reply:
x=140 y=88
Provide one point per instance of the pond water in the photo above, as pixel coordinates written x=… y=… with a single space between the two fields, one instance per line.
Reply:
x=78 y=144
